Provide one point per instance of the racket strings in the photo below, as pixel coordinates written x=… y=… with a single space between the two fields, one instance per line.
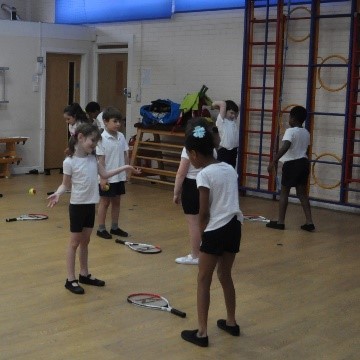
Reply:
x=148 y=300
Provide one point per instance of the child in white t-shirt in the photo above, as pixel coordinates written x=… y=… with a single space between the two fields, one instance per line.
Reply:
x=220 y=221
x=226 y=123
x=81 y=170
x=295 y=170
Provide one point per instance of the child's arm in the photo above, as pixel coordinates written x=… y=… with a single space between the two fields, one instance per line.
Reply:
x=222 y=107
x=284 y=148
x=204 y=212
x=65 y=185
x=180 y=176
x=103 y=182
x=107 y=174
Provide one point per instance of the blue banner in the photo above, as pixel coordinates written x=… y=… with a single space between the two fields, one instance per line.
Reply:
x=104 y=11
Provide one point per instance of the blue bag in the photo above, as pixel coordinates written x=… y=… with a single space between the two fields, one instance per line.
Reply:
x=160 y=112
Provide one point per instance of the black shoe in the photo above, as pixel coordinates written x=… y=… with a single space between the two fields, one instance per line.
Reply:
x=103 y=234
x=119 y=232
x=191 y=336
x=232 y=330
x=74 y=287
x=274 y=225
x=89 y=281
x=308 y=227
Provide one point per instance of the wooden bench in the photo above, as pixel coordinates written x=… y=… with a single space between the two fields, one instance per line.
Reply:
x=163 y=152
x=9 y=156
x=5 y=163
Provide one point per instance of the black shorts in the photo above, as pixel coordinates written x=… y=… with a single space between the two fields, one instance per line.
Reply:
x=228 y=156
x=295 y=172
x=116 y=189
x=81 y=216
x=225 y=239
x=190 y=197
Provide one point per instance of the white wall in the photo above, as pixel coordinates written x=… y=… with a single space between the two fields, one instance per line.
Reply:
x=21 y=43
x=182 y=54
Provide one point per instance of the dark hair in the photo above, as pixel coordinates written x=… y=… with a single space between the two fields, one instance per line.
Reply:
x=111 y=113
x=92 y=107
x=298 y=113
x=203 y=145
x=76 y=111
x=230 y=105
x=86 y=130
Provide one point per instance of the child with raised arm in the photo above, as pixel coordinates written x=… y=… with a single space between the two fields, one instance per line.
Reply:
x=80 y=174
x=220 y=221
x=228 y=131
x=295 y=170
x=112 y=151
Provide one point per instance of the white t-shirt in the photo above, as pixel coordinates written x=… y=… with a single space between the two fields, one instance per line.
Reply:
x=113 y=148
x=229 y=133
x=300 y=141
x=99 y=121
x=84 y=180
x=193 y=171
x=222 y=180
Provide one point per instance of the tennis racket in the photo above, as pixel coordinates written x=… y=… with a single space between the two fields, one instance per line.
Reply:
x=28 y=217
x=153 y=301
x=141 y=248
x=256 y=218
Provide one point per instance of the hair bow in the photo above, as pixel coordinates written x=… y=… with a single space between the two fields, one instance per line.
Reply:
x=199 y=132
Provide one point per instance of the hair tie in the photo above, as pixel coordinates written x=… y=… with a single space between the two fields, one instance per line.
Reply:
x=199 y=132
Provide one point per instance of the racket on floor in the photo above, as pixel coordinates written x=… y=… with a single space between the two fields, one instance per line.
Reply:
x=141 y=248
x=256 y=218
x=27 y=217
x=153 y=301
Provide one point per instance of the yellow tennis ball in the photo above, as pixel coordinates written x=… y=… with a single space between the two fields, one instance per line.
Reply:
x=32 y=191
x=107 y=187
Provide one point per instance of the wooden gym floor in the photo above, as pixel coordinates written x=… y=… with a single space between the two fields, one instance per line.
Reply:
x=298 y=293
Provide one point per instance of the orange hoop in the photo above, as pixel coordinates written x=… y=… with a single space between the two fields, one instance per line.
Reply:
x=317 y=182
x=308 y=35
x=319 y=73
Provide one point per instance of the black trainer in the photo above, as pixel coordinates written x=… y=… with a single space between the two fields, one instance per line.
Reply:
x=90 y=281
x=232 y=330
x=103 y=234
x=308 y=227
x=191 y=336
x=74 y=287
x=119 y=232
x=274 y=225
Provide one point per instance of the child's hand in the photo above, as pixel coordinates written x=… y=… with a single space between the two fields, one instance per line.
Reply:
x=53 y=200
x=177 y=199
x=103 y=184
x=134 y=170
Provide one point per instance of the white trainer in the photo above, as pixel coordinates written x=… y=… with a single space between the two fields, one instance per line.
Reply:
x=187 y=260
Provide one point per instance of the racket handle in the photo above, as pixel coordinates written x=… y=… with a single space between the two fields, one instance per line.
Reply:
x=119 y=241
x=178 y=313
x=11 y=219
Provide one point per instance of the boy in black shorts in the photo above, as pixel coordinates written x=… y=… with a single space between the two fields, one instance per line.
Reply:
x=296 y=168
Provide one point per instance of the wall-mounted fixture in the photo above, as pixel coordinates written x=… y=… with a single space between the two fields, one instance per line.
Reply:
x=2 y=73
x=11 y=10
